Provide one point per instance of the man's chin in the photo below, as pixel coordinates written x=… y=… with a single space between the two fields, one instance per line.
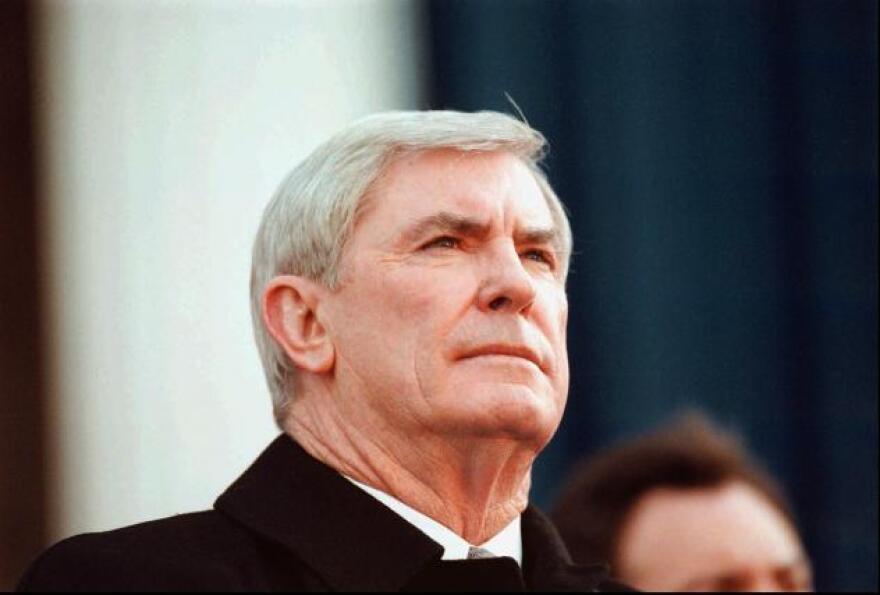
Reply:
x=511 y=411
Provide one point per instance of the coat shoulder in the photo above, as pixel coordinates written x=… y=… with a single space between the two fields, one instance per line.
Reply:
x=202 y=550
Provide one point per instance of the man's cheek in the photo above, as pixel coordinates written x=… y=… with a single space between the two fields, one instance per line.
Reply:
x=414 y=298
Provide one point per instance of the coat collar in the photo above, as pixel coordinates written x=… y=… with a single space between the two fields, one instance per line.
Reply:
x=332 y=526
x=299 y=502
x=547 y=565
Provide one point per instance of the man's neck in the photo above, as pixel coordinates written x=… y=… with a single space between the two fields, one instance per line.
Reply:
x=508 y=542
x=474 y=486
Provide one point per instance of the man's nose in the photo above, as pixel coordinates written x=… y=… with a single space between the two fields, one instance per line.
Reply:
x=507 y=285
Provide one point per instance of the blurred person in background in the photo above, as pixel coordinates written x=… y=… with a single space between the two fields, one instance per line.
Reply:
x=409 y=305
x=683 y=509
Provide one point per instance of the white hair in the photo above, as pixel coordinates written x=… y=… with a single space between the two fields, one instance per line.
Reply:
x=311 y=216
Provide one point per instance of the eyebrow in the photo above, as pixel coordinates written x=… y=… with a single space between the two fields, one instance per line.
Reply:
x=539 y=235
x=446 y=221
x=471 y=227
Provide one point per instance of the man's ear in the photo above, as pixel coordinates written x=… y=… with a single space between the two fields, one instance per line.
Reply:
x=290 y=306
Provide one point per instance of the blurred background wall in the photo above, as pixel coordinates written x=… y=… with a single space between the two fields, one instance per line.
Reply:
x=23 y=491
x=718 y=159
x=161 y=129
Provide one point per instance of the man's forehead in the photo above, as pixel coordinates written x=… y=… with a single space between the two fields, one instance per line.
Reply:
x=443 y=184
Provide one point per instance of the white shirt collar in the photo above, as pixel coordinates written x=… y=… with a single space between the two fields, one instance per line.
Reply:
x=507 y=542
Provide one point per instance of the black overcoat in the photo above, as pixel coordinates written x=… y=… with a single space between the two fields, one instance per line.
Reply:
x=290 y=523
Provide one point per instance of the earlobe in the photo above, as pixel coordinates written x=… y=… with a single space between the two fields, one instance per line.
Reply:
x=290 y=313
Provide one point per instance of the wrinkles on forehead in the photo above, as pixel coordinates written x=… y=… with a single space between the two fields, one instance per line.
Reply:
x=376 y=188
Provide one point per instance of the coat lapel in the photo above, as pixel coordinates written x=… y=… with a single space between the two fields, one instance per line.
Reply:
x=346 y=536
x=547 y=565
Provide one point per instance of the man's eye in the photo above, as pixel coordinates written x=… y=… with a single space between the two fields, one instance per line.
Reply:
x=443 y=242
x=541 y=256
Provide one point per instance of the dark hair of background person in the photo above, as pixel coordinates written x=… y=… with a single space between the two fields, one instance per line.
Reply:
x=689 y=453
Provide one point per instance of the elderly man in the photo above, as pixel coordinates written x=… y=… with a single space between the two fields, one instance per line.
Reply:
x=408 y=295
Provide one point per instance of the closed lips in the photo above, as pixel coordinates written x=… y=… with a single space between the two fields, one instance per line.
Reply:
x=520 y=351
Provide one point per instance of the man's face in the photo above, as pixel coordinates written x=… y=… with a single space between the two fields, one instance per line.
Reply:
x=451 y=311
x=728 y=538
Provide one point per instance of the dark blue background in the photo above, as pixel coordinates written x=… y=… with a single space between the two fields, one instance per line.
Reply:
x=719 y=160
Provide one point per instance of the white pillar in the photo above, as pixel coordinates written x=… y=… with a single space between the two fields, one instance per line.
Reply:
x=165 y=127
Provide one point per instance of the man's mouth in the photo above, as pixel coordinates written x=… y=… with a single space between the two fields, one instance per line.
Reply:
x=507 y=350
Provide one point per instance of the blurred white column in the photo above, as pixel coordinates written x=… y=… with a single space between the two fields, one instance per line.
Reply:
x=165 y=128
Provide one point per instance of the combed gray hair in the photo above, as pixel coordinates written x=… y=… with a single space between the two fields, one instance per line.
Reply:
x=311 y=216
